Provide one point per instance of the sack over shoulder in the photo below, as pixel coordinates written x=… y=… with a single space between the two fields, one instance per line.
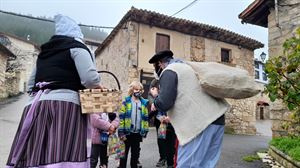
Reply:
x=223 y=81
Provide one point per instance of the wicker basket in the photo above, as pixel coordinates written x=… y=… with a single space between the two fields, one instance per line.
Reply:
x=101 y=100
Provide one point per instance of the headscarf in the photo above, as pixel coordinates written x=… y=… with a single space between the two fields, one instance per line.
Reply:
x=67 y=27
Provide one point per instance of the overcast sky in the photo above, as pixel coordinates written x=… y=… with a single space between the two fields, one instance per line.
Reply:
x=220 y=13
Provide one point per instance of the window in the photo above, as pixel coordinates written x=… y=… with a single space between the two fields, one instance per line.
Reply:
x=256 y=74
x=225 y=55
x=162 y=42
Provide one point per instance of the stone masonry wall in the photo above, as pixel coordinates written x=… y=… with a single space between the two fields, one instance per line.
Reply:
x=119 y=58
x=3 y=61
x=280 y=29
x=241 y=117
x=285 y=27
x=197 y=49
x=12 y=82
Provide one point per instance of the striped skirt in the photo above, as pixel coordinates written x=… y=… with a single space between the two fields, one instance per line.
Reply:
x=56 y=137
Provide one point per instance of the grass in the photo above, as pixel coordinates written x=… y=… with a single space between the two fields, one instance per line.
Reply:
x=288 y=145
x=251 y=158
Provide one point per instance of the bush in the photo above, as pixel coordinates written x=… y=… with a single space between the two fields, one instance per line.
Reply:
x=284 y=80
x=288 y=145
x=295 y=153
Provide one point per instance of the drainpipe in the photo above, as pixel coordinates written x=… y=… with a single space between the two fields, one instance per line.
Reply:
x=276 y=14
x=138 y=45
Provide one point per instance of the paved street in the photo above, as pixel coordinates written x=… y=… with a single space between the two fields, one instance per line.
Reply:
x=234 y=147
x=263 y=127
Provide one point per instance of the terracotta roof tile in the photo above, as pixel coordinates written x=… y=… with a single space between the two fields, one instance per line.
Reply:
x=181 y=25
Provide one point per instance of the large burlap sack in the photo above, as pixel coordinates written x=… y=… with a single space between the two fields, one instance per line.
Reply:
x=223 y=81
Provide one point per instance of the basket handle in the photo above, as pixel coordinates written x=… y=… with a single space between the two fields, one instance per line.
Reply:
x=113 y=76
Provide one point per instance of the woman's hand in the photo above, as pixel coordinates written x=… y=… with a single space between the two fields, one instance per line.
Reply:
x=100 y=87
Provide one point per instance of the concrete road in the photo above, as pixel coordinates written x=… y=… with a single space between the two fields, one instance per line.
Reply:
x=10 y=115
x=234 y=146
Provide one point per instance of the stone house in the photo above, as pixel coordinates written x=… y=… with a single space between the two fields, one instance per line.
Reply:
x=5 y=55
x=141 y=33
x=262 y=105
x=282 y=18
x=19 y=69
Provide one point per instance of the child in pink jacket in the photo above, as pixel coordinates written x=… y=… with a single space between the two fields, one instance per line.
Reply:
x=103 y=125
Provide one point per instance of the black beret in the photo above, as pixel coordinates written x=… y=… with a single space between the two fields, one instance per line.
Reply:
x=160 y=55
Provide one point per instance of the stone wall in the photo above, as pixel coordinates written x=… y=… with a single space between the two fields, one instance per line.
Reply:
x=283 y=158
x=24 y=63
x=12 y=82
x=241 y=117
x=280 y=29
x=3 y=61
x=285 y=26
x=119 y=57
x=279 y=115
x=197 y=49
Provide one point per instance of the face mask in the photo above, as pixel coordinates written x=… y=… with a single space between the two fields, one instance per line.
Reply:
x=137 y=94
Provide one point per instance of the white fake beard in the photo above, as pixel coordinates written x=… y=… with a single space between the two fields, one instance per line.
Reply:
x=155 y=75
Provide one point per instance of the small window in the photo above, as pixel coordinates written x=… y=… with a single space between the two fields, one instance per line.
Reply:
x=256 y=74
x=225 y=55
x=162 y=42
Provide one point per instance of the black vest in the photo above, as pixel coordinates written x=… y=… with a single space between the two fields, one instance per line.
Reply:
x=55 y=64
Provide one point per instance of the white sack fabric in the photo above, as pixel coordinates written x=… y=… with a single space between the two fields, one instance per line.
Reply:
x=223 y=81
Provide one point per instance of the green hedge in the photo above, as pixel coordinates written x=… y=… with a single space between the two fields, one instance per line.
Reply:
x=288 y=145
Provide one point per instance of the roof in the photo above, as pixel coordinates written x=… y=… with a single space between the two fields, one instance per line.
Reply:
x=21 y=39
x=91 y=42
x=257 y=13
x=6 y=51
x=183 y=26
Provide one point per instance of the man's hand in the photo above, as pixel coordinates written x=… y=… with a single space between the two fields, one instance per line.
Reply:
x=153 y=108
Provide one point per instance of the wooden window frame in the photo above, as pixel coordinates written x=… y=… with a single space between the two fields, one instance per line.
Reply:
x=229 y=55
x=157 y=48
